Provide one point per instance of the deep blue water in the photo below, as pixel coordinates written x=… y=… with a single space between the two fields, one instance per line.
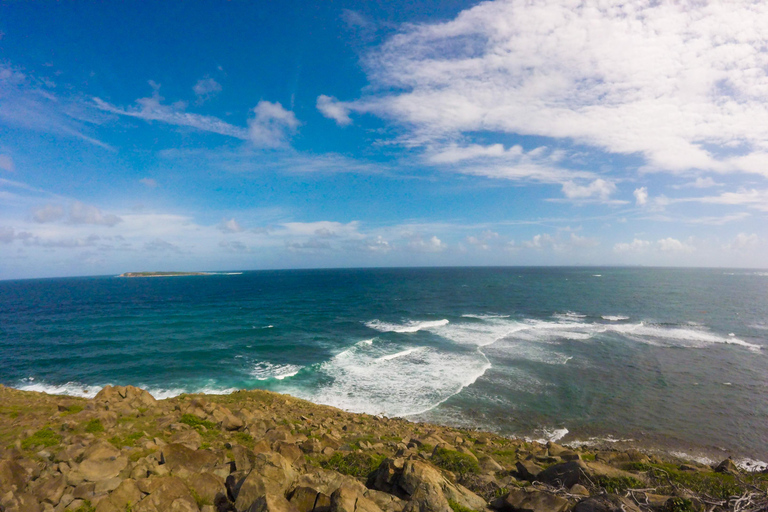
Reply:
x=674 y=358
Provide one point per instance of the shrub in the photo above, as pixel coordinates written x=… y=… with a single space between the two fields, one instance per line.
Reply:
x=619 y=484
x=195 y=422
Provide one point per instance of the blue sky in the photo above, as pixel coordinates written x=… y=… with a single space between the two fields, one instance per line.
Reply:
x=249 y=135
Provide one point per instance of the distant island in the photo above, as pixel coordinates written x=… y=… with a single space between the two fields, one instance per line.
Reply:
x=163 y=274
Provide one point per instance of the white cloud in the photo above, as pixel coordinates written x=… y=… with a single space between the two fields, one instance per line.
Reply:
x=539 y=241
x=6 y=163
x=48 y=213
x=81 y=213
x=7 y=234
x=230 y=226
x=699 y=182
x=635 y=246
x=641 y=196
x=206 y=88
x=599 y=188
x=418 y=243
x=672 y=245
x=152 y=109
x=683 y=84
x=272 y=125
x=744 y=241
x=159 y=245
x=333 y=109
x=149 y=182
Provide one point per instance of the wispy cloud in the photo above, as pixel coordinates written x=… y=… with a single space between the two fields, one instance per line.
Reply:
x=206 y=88
x=681 y=84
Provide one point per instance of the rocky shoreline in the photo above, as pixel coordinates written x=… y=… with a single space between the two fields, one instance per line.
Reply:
x=259 y=451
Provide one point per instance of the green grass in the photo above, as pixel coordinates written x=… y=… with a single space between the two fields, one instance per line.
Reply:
x=195 y=422
x=456 y=462
x=353 y=464
x=94 y=426
x=44 y=437
x=72 y=409
x=244 y=438
x=677 y=504
x=619 y=484
x=458 y=507
x=202 y=501
x=129 y=440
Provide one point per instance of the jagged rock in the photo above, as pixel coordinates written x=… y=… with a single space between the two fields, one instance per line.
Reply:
x=126 y=398
x=271 y=473
x=189 y=438
x=555 y=449
x=420 y=475
x=579 y=490
x=304 y=498
x=244 y=458
x=606 y=503
x=50 y=490
x=386 y=475
x=272 y=503
x=206 y=485
x=178 y=455
x=125 y=493
x=289 y=450
x=530 y=500
x=385 y=501
x=168 y=494
x=12 y=476
x=489 y=465
x=349 y=499
x=101 y=461
x=311 y=446
x=104 y=486
x=528 y=470
x=20 y=502
x=327 y=482
x=727 y=467
x=226 y=419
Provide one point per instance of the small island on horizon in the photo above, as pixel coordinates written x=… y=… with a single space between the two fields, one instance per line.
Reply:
x=163 y=274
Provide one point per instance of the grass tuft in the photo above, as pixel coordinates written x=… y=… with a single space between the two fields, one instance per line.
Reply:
x=44 y=437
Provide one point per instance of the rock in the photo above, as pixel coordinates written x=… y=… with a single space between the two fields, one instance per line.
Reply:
x=327 y=482
x=244 y=458
x=21 y=502
x=606 y=503
x=101 y=461
x=12 y=476
x=206 y=485
x=385 y=477
x=177 y=456
x=271 y=473
x=125 y=493
x=420 y=475
x=304 y=498
x=169 y=494
x=311 y=446
x=727 y=467
x=530 y=500
x=555 y=449
x=50 y=490
x=289 y=450
x=189 y=438
x=489 y=465
x=566 y=474
x=579 y=490
x=385 y=501
x=272 y=503
x=104 y=486
x=349 y=499
x=528 y=470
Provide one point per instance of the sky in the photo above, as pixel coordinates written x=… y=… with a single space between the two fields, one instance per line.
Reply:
x=235 y=135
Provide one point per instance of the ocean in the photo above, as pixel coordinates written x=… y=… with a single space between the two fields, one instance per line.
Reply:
x=672 y=359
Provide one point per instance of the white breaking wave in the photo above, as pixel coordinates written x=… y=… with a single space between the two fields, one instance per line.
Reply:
x=265 y=370
x=553 y=435
x=411 y=326
x=484 y=317
x=399 y=354
x=86 y=391
x=615 y=318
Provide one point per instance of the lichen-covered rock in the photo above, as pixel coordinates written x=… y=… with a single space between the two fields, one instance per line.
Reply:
x=169 y=494
x=179 y=456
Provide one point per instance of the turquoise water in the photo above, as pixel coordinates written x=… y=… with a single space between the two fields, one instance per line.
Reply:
x=674 y=358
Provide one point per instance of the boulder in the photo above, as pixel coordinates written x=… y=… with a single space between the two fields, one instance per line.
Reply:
x=101 y=461
x=12 y=476
x=50 y=490
x=489 y=465
x=289 y=450
x=728 y=467
x=566 y=474
x=126 y=493
x=244 y=458
x=304 y=498
x=419 y=475
x=189 y=438
x=528 y=470
x=606 y=503
x=271 y=473
x=20 y=502
x=349 y=499
x=178 y=456
x=272 y=503
x=169 y=494
x=530 y=500
x=206 y=485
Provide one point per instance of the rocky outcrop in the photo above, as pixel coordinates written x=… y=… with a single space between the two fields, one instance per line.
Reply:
x=259 y=451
